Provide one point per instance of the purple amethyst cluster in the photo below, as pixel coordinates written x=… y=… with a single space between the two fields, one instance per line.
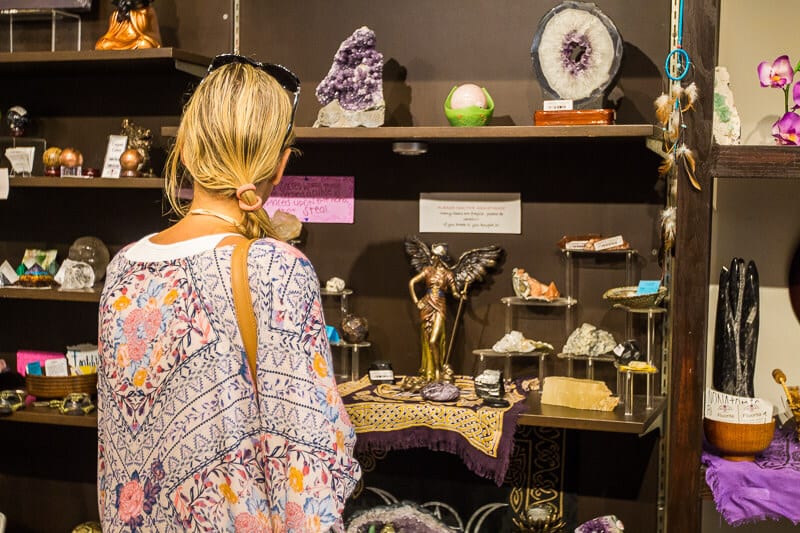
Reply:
x=355 y=79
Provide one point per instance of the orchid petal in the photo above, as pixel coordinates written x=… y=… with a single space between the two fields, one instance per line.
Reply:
x=787 y=129
x=782 y=72
x=796 y=95
x=765 y=73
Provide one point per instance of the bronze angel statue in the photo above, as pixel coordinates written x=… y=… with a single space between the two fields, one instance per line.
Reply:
x=434 y=267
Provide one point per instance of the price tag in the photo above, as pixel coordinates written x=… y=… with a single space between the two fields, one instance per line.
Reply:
x=116 y=145
x=647 y=286
x=558 y=105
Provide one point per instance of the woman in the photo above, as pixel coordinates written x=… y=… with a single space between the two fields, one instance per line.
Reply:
x=184 y=443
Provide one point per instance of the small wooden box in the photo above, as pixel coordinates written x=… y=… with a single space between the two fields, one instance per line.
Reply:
x=574 y=117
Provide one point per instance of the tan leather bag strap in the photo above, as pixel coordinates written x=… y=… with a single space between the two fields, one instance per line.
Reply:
x=243 y=304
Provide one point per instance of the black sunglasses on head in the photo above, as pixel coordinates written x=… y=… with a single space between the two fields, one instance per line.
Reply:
x=285 y=77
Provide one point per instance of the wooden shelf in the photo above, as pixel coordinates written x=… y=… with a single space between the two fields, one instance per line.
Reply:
x=51 y=294
x=47 y=415
x=640 y=422
x=88 y=183
x=745 y=161
x=105 y=61
x=453 y=134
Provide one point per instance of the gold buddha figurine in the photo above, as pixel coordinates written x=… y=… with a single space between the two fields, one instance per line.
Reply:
x=133 y=25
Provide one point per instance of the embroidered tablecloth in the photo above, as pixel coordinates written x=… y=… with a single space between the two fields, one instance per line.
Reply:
x=768 y=487
x=386 y=417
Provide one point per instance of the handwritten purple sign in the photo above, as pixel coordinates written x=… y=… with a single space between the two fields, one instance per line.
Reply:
x=328 y=199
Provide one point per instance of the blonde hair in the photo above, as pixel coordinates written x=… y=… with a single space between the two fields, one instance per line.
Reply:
x=231 y=134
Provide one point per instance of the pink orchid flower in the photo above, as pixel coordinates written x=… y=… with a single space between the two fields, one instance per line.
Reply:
x=778 y=74
x=787 y=129
x=796 y=95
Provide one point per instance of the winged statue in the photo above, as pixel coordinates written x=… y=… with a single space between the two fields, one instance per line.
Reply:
x=441 y=276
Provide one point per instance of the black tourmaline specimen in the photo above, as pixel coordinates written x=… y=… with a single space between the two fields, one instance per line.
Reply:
x=736 y=334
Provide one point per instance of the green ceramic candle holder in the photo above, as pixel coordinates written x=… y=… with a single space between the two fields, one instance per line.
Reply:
x=469 y=116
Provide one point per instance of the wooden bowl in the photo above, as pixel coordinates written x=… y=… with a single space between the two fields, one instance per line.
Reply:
x=738 y=442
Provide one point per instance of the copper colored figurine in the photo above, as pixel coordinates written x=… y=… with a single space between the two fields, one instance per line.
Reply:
x=133 y=25
x=440 y=277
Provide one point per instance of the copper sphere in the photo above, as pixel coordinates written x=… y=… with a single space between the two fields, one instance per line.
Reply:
x=130 y=160
x=71 y=157
x=51 y=157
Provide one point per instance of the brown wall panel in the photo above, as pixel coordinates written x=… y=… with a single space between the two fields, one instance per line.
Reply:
x=430 y=46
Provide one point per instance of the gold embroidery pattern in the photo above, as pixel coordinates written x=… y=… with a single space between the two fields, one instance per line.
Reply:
x=390 y=408
x=536 y=470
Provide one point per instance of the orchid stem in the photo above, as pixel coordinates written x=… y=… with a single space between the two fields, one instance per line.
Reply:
x=786 y=98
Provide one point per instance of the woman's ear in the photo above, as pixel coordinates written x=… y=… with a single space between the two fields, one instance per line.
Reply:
x=281 y=167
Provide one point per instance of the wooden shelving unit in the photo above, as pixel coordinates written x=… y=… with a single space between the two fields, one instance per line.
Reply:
x=749 y=161
x=47 y=415
x=462 y=135
x=109 y=61
x=51 y=294
x=87 y=183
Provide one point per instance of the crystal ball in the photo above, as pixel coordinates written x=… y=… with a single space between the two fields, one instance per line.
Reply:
x=91 y=250
x=468 y=95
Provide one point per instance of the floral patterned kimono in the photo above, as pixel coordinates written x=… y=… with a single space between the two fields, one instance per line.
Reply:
x=183 y=443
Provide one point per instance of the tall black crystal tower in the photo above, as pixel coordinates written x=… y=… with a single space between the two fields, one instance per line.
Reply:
x=736 y=334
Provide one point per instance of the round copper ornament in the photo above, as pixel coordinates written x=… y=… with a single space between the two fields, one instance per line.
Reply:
x=130 y=160
x=70 y=158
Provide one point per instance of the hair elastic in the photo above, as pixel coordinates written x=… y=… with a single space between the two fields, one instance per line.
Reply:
x=245 y=206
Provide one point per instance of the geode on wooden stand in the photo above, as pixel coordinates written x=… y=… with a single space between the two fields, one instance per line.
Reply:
x=736 y=334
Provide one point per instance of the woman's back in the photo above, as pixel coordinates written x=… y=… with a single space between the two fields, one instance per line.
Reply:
x=183 y=443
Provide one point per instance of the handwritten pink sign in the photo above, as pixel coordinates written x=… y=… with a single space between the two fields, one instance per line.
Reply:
x=327 y=199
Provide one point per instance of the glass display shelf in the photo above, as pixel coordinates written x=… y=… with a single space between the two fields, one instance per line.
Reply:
x=353 y=347
x=590 y=361
x=627 y=388
x=484 y=354
x=651 y=313
x=533 y=302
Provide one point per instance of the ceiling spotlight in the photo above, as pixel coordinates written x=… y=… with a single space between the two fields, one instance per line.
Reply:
x=410 y=148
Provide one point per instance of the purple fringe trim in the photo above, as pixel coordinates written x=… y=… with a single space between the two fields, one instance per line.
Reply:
x=493 y=468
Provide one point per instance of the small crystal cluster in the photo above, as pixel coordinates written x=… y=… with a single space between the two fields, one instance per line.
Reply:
x=589 y=340
x=355 y=79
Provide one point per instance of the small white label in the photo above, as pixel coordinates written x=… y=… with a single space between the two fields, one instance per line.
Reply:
x=8 y=273
x=611 y=242
x=55 y=367
x=116 y=145
x=381 y=375
x=576 y=245
x=558 y=105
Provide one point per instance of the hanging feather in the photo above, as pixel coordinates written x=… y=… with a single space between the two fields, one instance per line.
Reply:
x=663 y=106
x=674 y=127
x=687 y=156
x=692 y=93
x=668 y=226
x=667 y=164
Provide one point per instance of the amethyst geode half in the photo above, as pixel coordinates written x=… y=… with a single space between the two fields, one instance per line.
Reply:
x=352 y=92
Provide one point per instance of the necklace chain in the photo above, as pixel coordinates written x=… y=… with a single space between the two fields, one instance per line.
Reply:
x=222 y=216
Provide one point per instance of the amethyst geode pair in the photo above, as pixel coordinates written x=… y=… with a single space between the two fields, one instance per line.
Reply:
x=352 y=92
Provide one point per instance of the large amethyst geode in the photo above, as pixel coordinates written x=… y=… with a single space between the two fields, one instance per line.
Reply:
x=352 y=92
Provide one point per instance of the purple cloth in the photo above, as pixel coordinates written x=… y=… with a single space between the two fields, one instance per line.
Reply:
x=408 y=435
x=769 y=487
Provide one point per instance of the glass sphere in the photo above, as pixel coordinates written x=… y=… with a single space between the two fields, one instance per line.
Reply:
x=91 y=250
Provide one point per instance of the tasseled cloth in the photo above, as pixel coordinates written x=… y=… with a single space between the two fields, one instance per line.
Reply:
x=386 y=417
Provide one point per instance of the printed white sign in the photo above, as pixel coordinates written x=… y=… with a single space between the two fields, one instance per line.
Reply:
x=470 y=213
x=737 y=409
x=116 y=145
x=3 y=184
